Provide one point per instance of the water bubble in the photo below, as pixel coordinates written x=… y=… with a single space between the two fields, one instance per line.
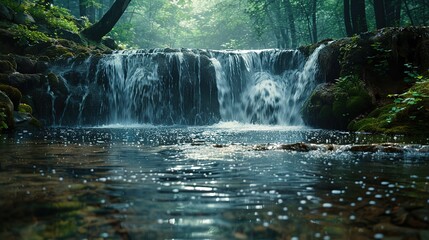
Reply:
x=104 y=235
x=352 y=217
x=327 y=205
x=336 y=191
x=378 y=236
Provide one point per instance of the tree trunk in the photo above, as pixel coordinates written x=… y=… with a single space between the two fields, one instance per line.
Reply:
x=380 y=15
x=107 y=22
x=347 y=19
x=292 y=28
x=314 y=20
x=82 y=8
x=358 y=16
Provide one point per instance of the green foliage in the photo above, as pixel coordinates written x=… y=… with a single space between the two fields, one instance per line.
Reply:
x=25 y=108
x=335 y=106
x=15 y=5
x=379 y=60
x=53 y=16
x=351 y=98
x=348 y=55
x=408 y=113
x=28 y=35
x=412 y=74
x=412 y=99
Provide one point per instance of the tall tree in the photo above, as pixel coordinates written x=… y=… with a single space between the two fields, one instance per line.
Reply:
x=387 y=13
x=107 y=22
x=314 y=20
x=355 y=16
x=291 y=20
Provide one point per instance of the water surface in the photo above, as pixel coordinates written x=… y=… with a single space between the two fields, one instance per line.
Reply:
x=147 y=182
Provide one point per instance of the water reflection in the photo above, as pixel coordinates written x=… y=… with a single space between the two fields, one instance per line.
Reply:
x=207 y=182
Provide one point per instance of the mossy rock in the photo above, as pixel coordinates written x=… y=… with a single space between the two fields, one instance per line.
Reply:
x=6 y=67
x=53 y=80
x=25 y=108
x=13 y=93
x=334 y=106
x=58 y=51
x=6 y=108
x=401 y=116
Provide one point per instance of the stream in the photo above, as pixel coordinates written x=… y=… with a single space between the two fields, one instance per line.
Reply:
x=224 y=181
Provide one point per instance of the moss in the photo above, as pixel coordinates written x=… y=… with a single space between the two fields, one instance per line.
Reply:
x=36 y=123
x=13 y=93
x=25 y=108
x=7 y=121
x=53 y=80
x=408 y=113
x=336 y=105
x=58 y=51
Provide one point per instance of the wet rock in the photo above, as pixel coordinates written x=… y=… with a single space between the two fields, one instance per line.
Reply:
x=41 y=66
x=260 y=148
x=299 y=147
x=110 y=43
x=8 y=42
x=24 y=82
x=7 y=107
x=364 y=148
x=10 y=59
x=6 y=67
x=69 y=36
x=6 y=13
x=23 y=18
x=13 y=93
x=220 y=145
x=392 y=149
x=24 y=64
x=20 y=117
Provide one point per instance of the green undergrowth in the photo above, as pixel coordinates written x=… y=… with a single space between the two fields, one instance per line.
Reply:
x=407 y=113
x=28 y=35
x=53 y=16
x=335 y=105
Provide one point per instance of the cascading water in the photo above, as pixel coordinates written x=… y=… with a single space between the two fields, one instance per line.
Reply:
x=189 y=87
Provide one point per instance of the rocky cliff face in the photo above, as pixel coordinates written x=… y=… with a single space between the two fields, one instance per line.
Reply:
x=363 y=73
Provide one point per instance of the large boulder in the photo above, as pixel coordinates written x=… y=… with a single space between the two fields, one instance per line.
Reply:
x=24 y=64
x=334 y=106
x=13 y=93
x=6 y=67
x=6 y=107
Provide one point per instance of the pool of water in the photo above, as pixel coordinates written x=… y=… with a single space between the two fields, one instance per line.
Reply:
x=227 y=181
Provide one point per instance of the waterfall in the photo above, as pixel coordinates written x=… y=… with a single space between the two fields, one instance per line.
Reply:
x=188 y=87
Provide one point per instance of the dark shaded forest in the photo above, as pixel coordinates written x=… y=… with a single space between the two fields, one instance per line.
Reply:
x=247 y=24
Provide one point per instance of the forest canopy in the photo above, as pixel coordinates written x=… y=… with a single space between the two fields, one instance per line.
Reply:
x=246 y=24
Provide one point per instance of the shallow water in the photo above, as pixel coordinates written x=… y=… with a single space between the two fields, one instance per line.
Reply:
x=147 y=182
